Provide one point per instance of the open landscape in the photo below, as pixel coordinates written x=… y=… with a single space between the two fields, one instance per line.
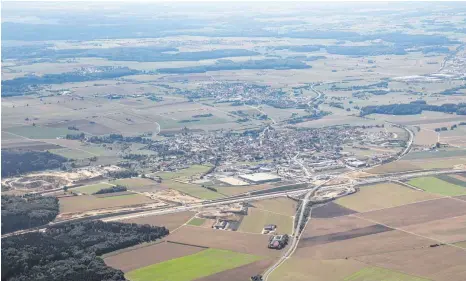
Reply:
x=233 y=141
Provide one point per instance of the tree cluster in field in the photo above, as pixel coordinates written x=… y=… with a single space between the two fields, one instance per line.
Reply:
x=27 y=212
x=454 y=91
x=336 y=105
x=382 y=84
x=136 y=157
x=203 y=115
x=112 y=189
x=70 y=251
x=308 y=117
x=112 y=138
x=19 y=162
x=413 y=108
x=123 y=174
x=80 y=136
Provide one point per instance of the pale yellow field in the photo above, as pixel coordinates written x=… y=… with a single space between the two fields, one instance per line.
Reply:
x=383 y=195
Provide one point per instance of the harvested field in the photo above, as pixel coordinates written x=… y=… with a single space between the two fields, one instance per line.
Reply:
x=333 y=225
x=201 y=264
x=86 y=126
x=384 y=195
x=300 y=269
x=38 y=132
x=330 y=210
x=28 y=145
x=394 y=167
x=418 y=212
x=364 y=245
x=152 y=254
x=280 y=205
x=235 y=190
x=191 y=189
x=189 y=172
x=438 y=186
x=170 y=221
x=447 y=230
x=257 y=219
x=229 y=240
x=89 y=189
x=83 y=203
x=444 y=263
x=72 y=153
x=240 y=273
x=462 y=197
x=443 y=163
x=341 y=236
x=139 y=184
x=378 y=273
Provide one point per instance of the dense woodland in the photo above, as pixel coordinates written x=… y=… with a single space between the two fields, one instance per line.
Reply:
x=232 y=65
x=106 y=72
x=19 y=162
x=22 y=213
x=70 y=251
x=412 y=108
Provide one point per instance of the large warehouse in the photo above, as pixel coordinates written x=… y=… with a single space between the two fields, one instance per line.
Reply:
x=258 y=178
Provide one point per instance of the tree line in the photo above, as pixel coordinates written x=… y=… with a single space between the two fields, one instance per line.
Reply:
x=112 y=189
x=71 y=251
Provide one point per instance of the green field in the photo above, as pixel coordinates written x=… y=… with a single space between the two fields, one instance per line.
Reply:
x=193 y=190
x=134 y=182
x=191 y=171
x=196 y=221
x=89 y=189
x=37 y=132
x=205 y=263
x=377 y=273
x=438 y=186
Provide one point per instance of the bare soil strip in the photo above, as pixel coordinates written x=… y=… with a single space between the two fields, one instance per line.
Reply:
x=340 y=236
x=146 y=256
x=331 y=210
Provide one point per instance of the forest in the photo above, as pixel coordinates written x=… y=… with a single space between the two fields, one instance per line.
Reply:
x=18 y=162
x=71 y=251
x=67 y=77
x=27 y=212
x=231 y=65
x=412 y=108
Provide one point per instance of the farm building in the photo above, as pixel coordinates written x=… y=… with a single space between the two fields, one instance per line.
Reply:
x=221 y=224
x=259 y=178
x=278 y=241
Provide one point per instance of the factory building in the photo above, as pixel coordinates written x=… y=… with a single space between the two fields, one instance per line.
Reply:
x=259 y=178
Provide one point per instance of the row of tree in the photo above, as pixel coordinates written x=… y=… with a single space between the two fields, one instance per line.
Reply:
x=70 y=251
x=112 y=189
